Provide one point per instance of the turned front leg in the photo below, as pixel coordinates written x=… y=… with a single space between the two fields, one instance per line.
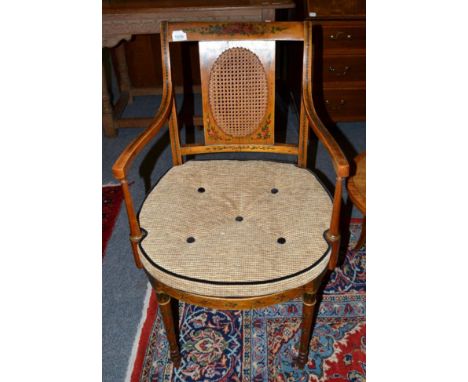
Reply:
x=308 y=315
x=164 y=302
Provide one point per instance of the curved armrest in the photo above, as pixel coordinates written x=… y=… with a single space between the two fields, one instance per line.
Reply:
x=122 y=163
x=340 y=163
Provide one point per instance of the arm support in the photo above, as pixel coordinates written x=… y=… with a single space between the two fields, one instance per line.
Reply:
x=125 y=159
x=122 y=163
x=340 y=163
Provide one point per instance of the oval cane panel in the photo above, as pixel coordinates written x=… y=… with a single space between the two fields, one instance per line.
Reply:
x=238 y=92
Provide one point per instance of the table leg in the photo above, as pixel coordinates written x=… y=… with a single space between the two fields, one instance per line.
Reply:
x=122 y=69
x=107 y=110
x=362 y=237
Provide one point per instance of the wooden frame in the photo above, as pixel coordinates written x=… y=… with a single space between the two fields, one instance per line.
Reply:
x=308 y=117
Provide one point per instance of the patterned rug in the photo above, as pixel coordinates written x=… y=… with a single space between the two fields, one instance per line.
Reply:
x=112 y=197
x=259 y=345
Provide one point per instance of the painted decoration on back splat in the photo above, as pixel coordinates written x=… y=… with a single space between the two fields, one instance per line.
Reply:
x=230 y=29
x=238 y=85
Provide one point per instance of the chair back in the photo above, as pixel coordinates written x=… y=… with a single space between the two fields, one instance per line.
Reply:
x=237 y=67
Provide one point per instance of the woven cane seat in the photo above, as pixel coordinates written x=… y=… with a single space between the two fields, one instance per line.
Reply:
x=235 y=228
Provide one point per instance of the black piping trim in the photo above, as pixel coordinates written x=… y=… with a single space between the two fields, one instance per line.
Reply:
x=145 y=233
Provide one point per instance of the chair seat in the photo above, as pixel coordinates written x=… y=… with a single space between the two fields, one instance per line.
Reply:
x=232 y=228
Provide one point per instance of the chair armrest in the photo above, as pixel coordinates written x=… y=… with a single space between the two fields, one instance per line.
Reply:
x=122 y=163
x=340 y=163
x=119 y=169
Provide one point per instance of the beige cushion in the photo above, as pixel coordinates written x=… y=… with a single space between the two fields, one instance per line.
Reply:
x=228 y=257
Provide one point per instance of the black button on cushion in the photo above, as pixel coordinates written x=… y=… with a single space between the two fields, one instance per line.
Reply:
x=274 y=190
x=281 y=240
x=201 y=189
x=239 y=218
x=190 y=239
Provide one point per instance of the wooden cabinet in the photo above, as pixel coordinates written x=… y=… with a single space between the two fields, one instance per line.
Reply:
x=339 y=33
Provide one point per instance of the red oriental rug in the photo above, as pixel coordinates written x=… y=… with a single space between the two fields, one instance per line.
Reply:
x=112 y=197
x=259 y=345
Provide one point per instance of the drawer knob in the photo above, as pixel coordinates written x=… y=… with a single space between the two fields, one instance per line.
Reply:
x=343 y=72
x=340 y=36
x=335 y=106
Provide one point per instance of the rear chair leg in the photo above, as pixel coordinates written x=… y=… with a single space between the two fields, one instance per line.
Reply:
x=164 y=302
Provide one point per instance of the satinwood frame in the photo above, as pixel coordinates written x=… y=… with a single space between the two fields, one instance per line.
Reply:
x=215 y=31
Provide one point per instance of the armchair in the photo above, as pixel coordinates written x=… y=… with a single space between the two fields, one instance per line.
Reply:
x=228 y=234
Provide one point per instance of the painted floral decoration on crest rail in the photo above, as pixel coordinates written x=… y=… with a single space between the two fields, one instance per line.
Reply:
x=245 y=29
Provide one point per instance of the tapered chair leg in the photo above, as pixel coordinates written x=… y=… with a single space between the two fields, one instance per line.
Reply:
x=164 y=302
x=308 y=315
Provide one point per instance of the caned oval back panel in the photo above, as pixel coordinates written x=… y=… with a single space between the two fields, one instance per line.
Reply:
x=238 y=91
